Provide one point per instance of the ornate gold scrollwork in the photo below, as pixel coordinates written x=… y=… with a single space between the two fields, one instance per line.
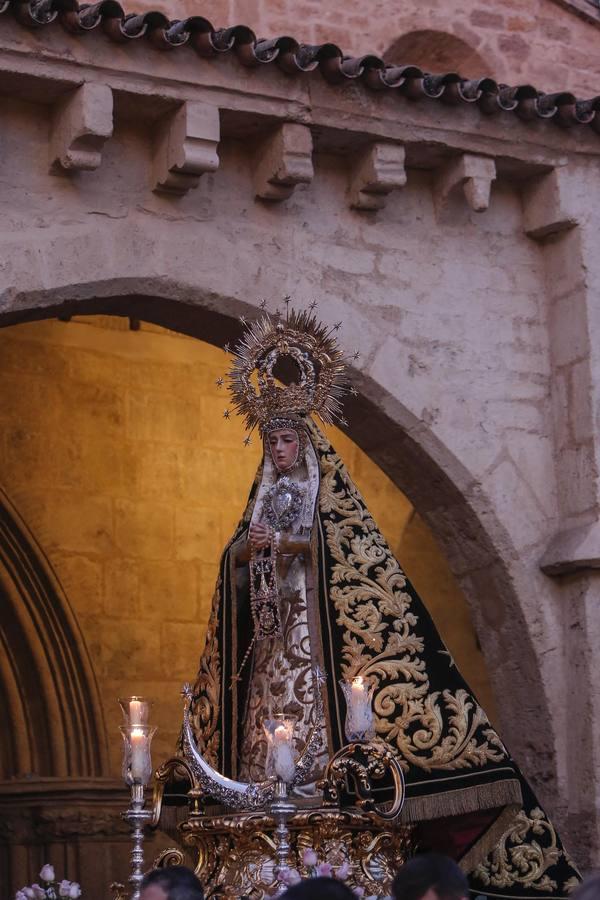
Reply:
x=363 y=762
x=175 y=766
x=172 y=856
x=516 y=860
x=237 y=853
x=430 y=729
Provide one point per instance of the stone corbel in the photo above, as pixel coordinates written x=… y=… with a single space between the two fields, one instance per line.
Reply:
x=284 y=160
x=546 y=206
x=473 y=173
x=81 y=124
x=186 y=147
x=378 y=171
x=573 y=550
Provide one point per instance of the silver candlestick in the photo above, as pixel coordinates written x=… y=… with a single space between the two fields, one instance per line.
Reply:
x=281 y=809
x=137 y=817
x=137 y=771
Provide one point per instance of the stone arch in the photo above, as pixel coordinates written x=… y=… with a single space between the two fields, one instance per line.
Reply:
x=437 y=51
x=443 y=491
x=47 y=683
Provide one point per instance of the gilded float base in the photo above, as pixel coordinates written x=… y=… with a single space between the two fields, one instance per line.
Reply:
x=236 y=852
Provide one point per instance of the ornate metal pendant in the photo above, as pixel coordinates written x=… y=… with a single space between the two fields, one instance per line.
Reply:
x=283 y=504
x=264 y=598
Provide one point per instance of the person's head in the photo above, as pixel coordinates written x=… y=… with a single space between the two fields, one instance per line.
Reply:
x=430 y=876
x=171 y=883
x=589 y=889
x=319 y=889
x=284 y=444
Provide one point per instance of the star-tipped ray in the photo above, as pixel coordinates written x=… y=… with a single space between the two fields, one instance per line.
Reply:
x=312 y=347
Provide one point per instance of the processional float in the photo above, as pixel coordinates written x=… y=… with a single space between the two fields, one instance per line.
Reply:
x=257 y=833
x=244 y=836
x=307 y=547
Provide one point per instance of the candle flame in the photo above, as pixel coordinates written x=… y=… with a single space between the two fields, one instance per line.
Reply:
x=137 y=733
x=358 y=679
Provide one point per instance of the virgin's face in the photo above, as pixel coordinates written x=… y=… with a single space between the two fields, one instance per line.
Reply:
x=284 y=445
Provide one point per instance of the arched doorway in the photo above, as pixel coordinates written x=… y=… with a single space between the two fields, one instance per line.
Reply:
x=440 y=488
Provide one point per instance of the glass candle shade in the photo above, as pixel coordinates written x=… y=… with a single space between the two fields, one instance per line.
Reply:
x=281 y=755
x=359 y=725
x=137 y=760
x=136 y=711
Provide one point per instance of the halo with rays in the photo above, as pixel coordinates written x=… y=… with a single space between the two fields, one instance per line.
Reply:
x=315 y=354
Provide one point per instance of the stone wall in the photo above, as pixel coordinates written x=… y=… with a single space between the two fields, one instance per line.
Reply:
x=114 y=449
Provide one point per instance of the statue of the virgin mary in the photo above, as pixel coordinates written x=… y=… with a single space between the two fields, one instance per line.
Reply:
x=307 y=581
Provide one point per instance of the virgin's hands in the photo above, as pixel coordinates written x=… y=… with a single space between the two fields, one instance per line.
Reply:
x=260 y=536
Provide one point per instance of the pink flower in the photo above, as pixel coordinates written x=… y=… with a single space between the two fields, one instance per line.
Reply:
x=63 y=888
x=343 y=871
x=309 y=857
x=47 y=873
x=75 y=891
x=289 y=876
x=324 y=870
x=20 y=896
x=28 y=893
x=38 y=892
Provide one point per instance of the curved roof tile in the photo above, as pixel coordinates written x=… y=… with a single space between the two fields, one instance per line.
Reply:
x=295 y=58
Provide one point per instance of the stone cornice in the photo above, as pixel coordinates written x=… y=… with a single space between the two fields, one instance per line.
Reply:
x=47 y=65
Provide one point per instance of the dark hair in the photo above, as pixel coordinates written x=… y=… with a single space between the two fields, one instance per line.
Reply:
x=319 y=889
x=178 y=883
x=589 y=889
x=426 y=871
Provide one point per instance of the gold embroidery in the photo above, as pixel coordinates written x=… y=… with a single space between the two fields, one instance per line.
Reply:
x=207 y=689
x=521 y=859
x=441 y=730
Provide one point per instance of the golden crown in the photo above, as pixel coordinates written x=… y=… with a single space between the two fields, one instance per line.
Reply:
x=317 y=360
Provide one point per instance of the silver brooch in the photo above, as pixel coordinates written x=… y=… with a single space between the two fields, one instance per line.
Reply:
x=283 y=504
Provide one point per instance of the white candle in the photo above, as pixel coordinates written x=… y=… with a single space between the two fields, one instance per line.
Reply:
x=135 y=713
x=361 y=714
x=283 y=759
x=139 y=748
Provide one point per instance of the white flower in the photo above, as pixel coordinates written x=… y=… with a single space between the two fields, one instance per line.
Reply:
x=343 y=871
x=63 y=888
x=38 y=892
x=324 y=870
x=20 y=896
x=309 y=857
x=47 y=873
x=289 y=876
x=75 y=891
